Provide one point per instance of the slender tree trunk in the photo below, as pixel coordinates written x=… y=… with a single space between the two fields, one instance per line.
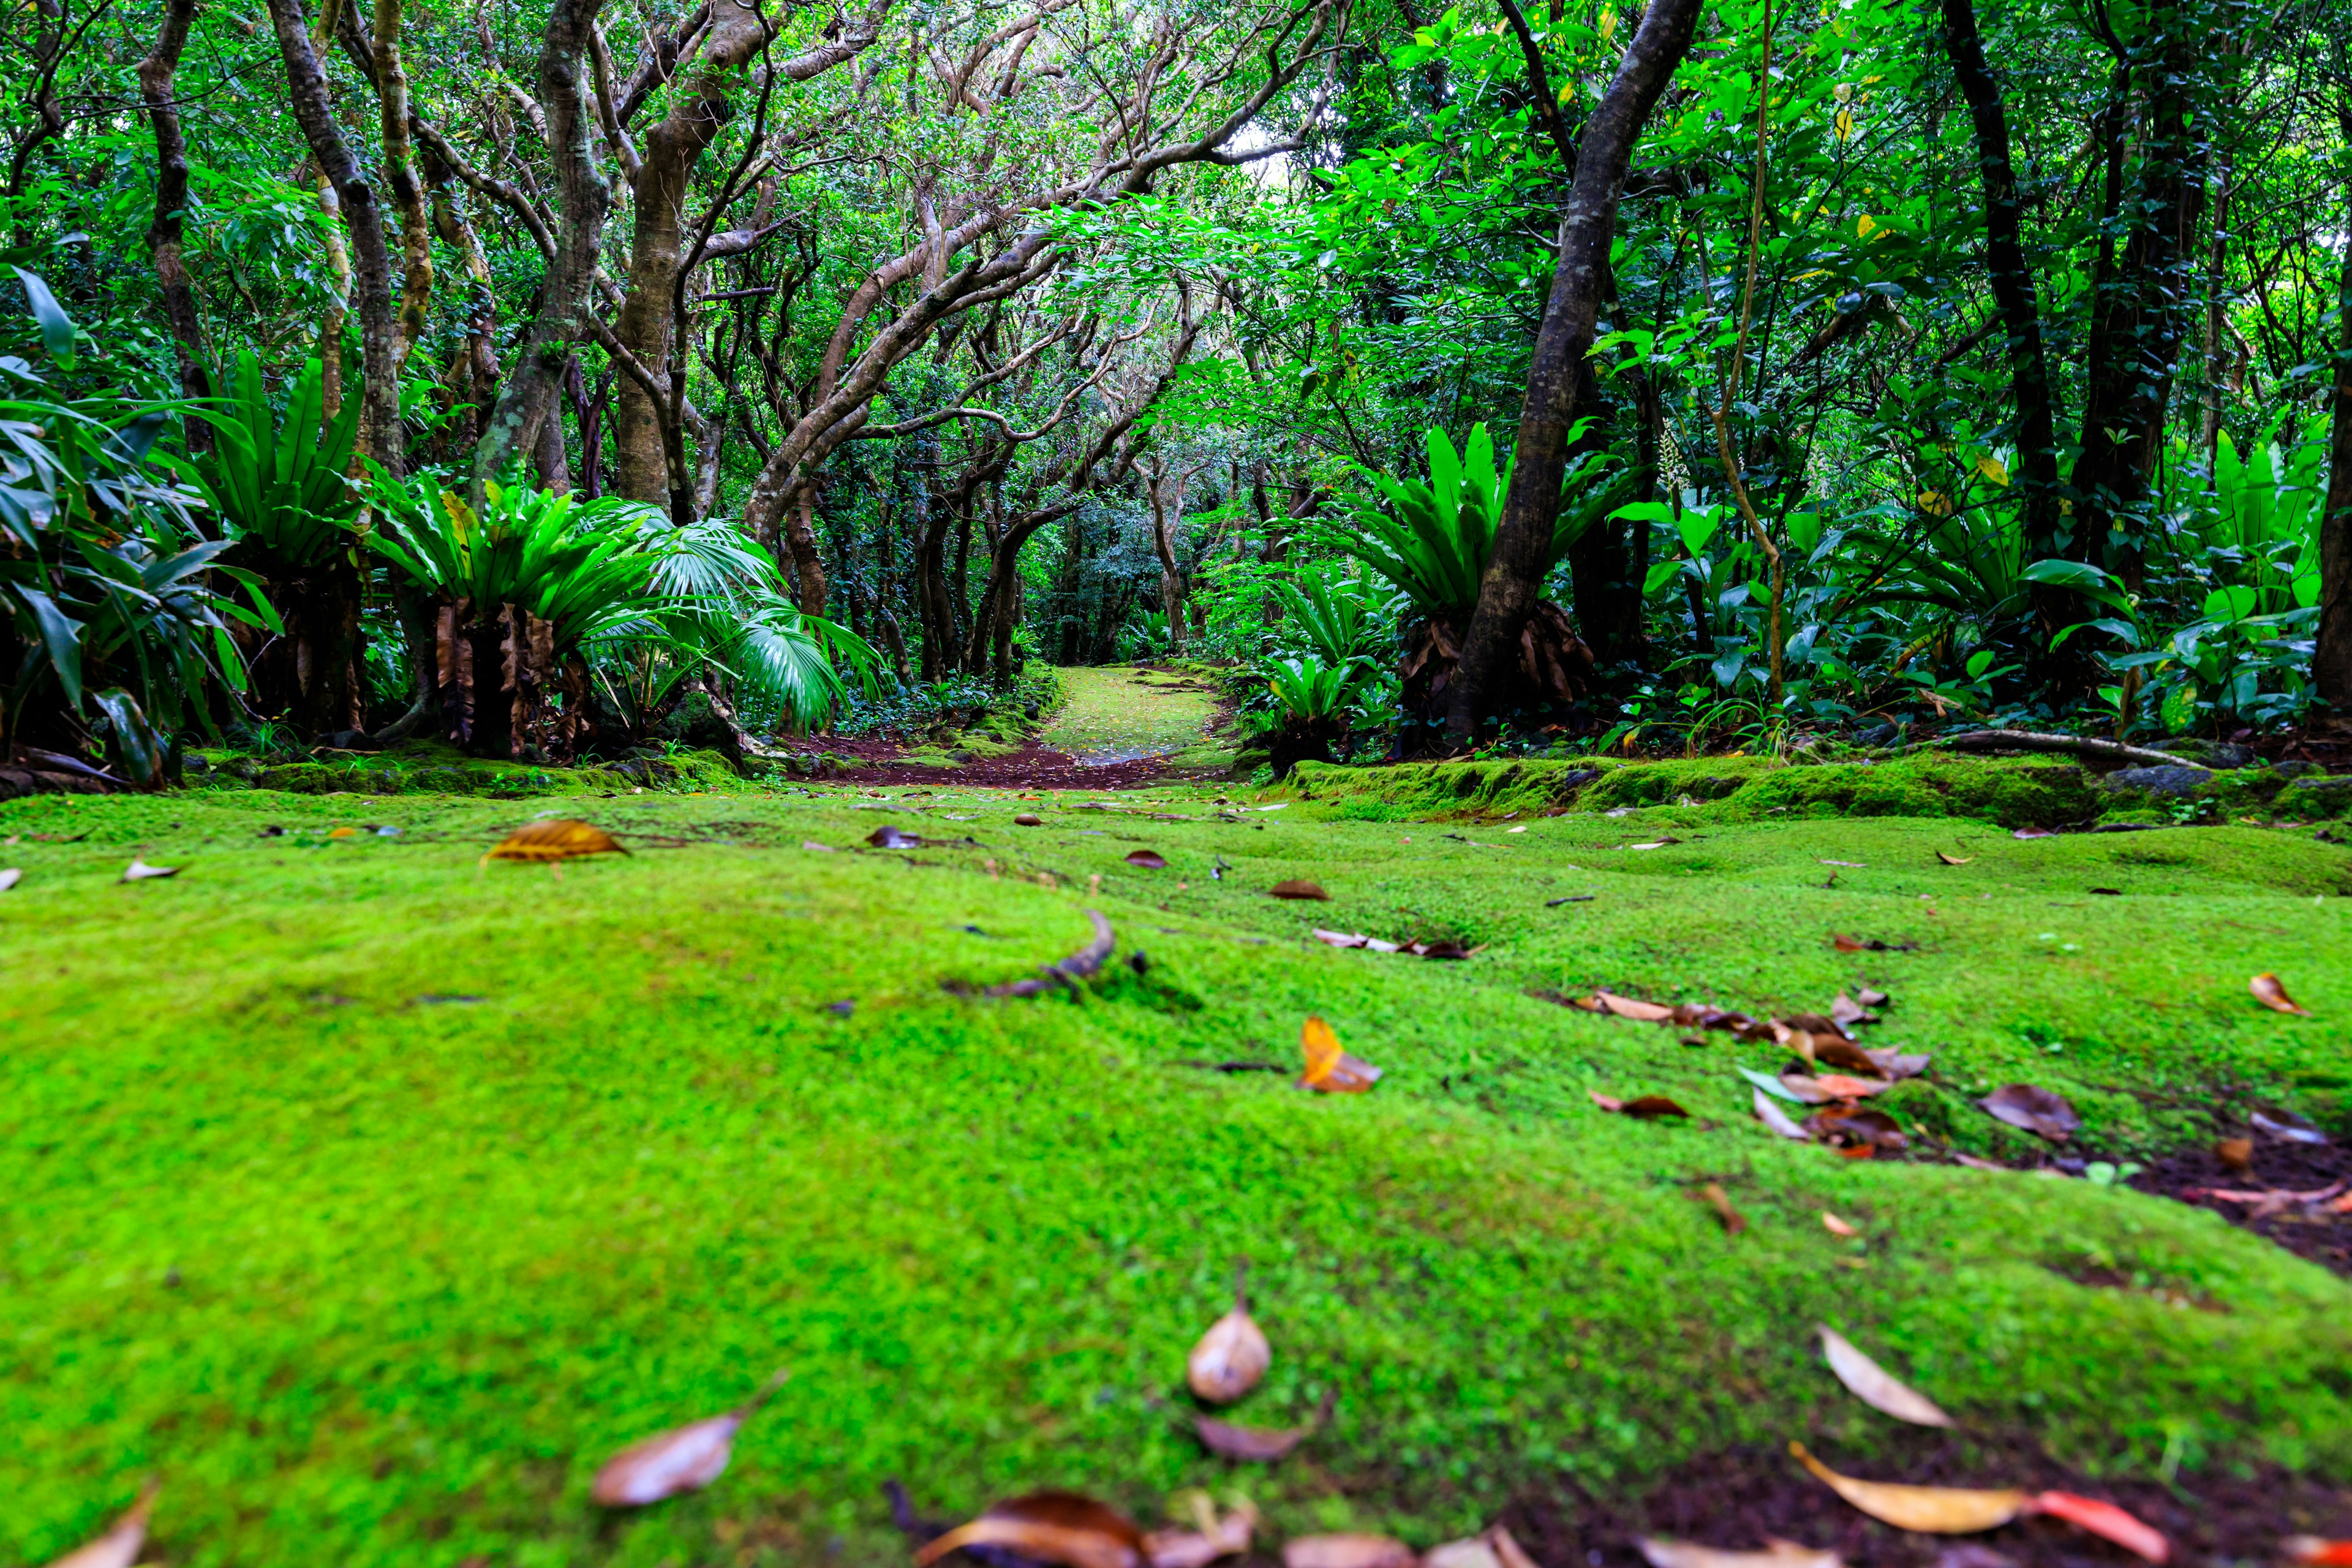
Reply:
x=163 y=234
x=380 y=434
x=808 y=561
x=1514 y=577
x=529 y=397
x=2014 y=297
x=2331 y=661
x=699 y=111
x=1172 y=581
x=400 y=175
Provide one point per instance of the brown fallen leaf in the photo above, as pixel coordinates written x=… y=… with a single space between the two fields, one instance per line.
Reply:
x=1870 y=998
x=1899 y=1064
x=1651 y=1107
x=559 y=839
x=1776 y=1554
x=1495 y=1548
x=1857 y=1126
x=1823 y=1088
x=1258 y=1443
x=1628 y=1007
x=2237 y=1153
x=1849 y=1012
x=1063 y=1528
x=1147 y=860
x=1837 y=1227
x=1213 y=1536
x=1713 y=1195
x=1930 y=1510
x=1954 y=859
x=1299 y=889
x=1233 y=1356
x=2036 y=1111
x=1346 y=1552
x=119 y=1547
x=139 y=871
x=2103 y=1520
x=1873 y=1384
x=1330 y=1069
x=1831 y=1051
x=1028 y=819
x=2271 y=992
x=684 y=1460
x=1816 y=1024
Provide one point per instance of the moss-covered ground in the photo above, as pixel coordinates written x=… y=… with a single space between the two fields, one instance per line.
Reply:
x=1123 y=713
x=368 y=1196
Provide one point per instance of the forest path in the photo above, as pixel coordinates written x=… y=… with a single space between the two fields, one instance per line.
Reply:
x=1125 y=714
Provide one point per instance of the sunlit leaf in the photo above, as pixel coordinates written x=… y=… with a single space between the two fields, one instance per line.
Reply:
x=1930 y=1510
x=1330 y=1069
x=2271 y=992
x=557 y=840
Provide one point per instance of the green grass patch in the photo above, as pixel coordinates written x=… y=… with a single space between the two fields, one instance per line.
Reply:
x=369 y=1196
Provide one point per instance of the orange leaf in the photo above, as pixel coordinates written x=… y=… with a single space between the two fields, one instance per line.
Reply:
x=2271 y=992
x=1627 y=1007
x=1062 y=1528
x=2314 y=1551
x=557 y=841
x=1713 y=1195
x=1330 y=1069
x=1931 y=1511
x=2106 y=1521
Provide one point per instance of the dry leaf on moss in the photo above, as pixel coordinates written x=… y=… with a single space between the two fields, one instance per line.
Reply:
x=559 y=839
x=1147 y=859
x=1628 y=1007
x=1233 y=1356
x=1776 y=1554
x=2036 y=1111
x=1648 y=1108
x=1829 y=1050
x=1028 y=819
x=1772 y=1116
x=1297 y=887
x=1213 y=1537
x=139 y=871
x=1256 y=1444
x=1857 y=1127
x=685 y=1460
x=2271 y=992
x=119 y=1547
x=1870 y=1383
x=1346 y=1552
x=1714 y=1197
x=1330 y=1069
x=1061 y=1528
x=1837 y=1227
x=10 y=875
x=1930 y=1510
x=1954 y=859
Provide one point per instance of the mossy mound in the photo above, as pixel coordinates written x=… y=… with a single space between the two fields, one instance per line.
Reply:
x=433 y=768
x=1736 y=788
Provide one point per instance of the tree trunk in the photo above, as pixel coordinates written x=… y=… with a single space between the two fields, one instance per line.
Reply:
x=1514 y=577
x=450 y=223
x=400 y=174
x=528 y=398
x=808 y=564
x=1172 y=581
x=2142 y=318
x=163 y=234
x=699 y=111
x=1608 y=605
x=379 y=432
x=2331 y=661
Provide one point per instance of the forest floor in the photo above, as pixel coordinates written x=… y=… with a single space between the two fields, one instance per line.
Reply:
x=368 y=1196
x=1118 y=727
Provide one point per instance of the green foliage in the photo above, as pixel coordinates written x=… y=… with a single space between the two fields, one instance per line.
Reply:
x=281 y=484
x=1336 y=616
x=1310 y=691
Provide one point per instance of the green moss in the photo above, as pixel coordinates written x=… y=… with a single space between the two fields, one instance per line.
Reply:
x=2314 y=799
x=370 y=1196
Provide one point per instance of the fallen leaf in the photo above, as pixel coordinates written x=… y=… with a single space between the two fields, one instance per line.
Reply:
x=1147 y=860
x=2033 y=833
x=1330 y=1069
x=1854 y=1127
x=2315 y=1551
x=558 y=839
x=1660 y=844
x=1341 y=938
x=891 y=836
x=119 y=1547
x=1772 y=1116
x=1869 y=999
x=812 y=844
x=1837 y=1227
x=343 y=833
x=1771 y=1085
x=1931 y=1511
x=1845 y=1012
x=1870 y=1383
x=1831 y=1051
x=139 y=871
x=1846 y=944
x=2271 y=992
x=1954 y=859
x=1258 y=1443
x=1651 y=1107
x=1776 y=1554
x=2237 y=1153
x=2106 y=1520
x=1215 y=1537
x=684 y=1460
x=1823 y=1088
x=1231 y=1356
x=1627 y=1007
x=1297 y=888
x=1062 y=1528
x=2286 y=1127
x=2037 y=1110
x=1029 y=819
x=1346 y=1552
x=1898 y=1064
x=9 y=876
x=1713 y=1195
x=1067 y=974
x=1854 y=865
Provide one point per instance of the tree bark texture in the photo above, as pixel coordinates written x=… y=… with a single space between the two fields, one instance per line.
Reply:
x=379 y=433
x=1514 y=577
x=528 y=398
x=400 y=175
x=164 y=232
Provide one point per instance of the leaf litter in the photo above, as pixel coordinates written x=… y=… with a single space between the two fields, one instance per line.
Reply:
x=1232 y=1356
x=684 y=1460
x=1869 y=1382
